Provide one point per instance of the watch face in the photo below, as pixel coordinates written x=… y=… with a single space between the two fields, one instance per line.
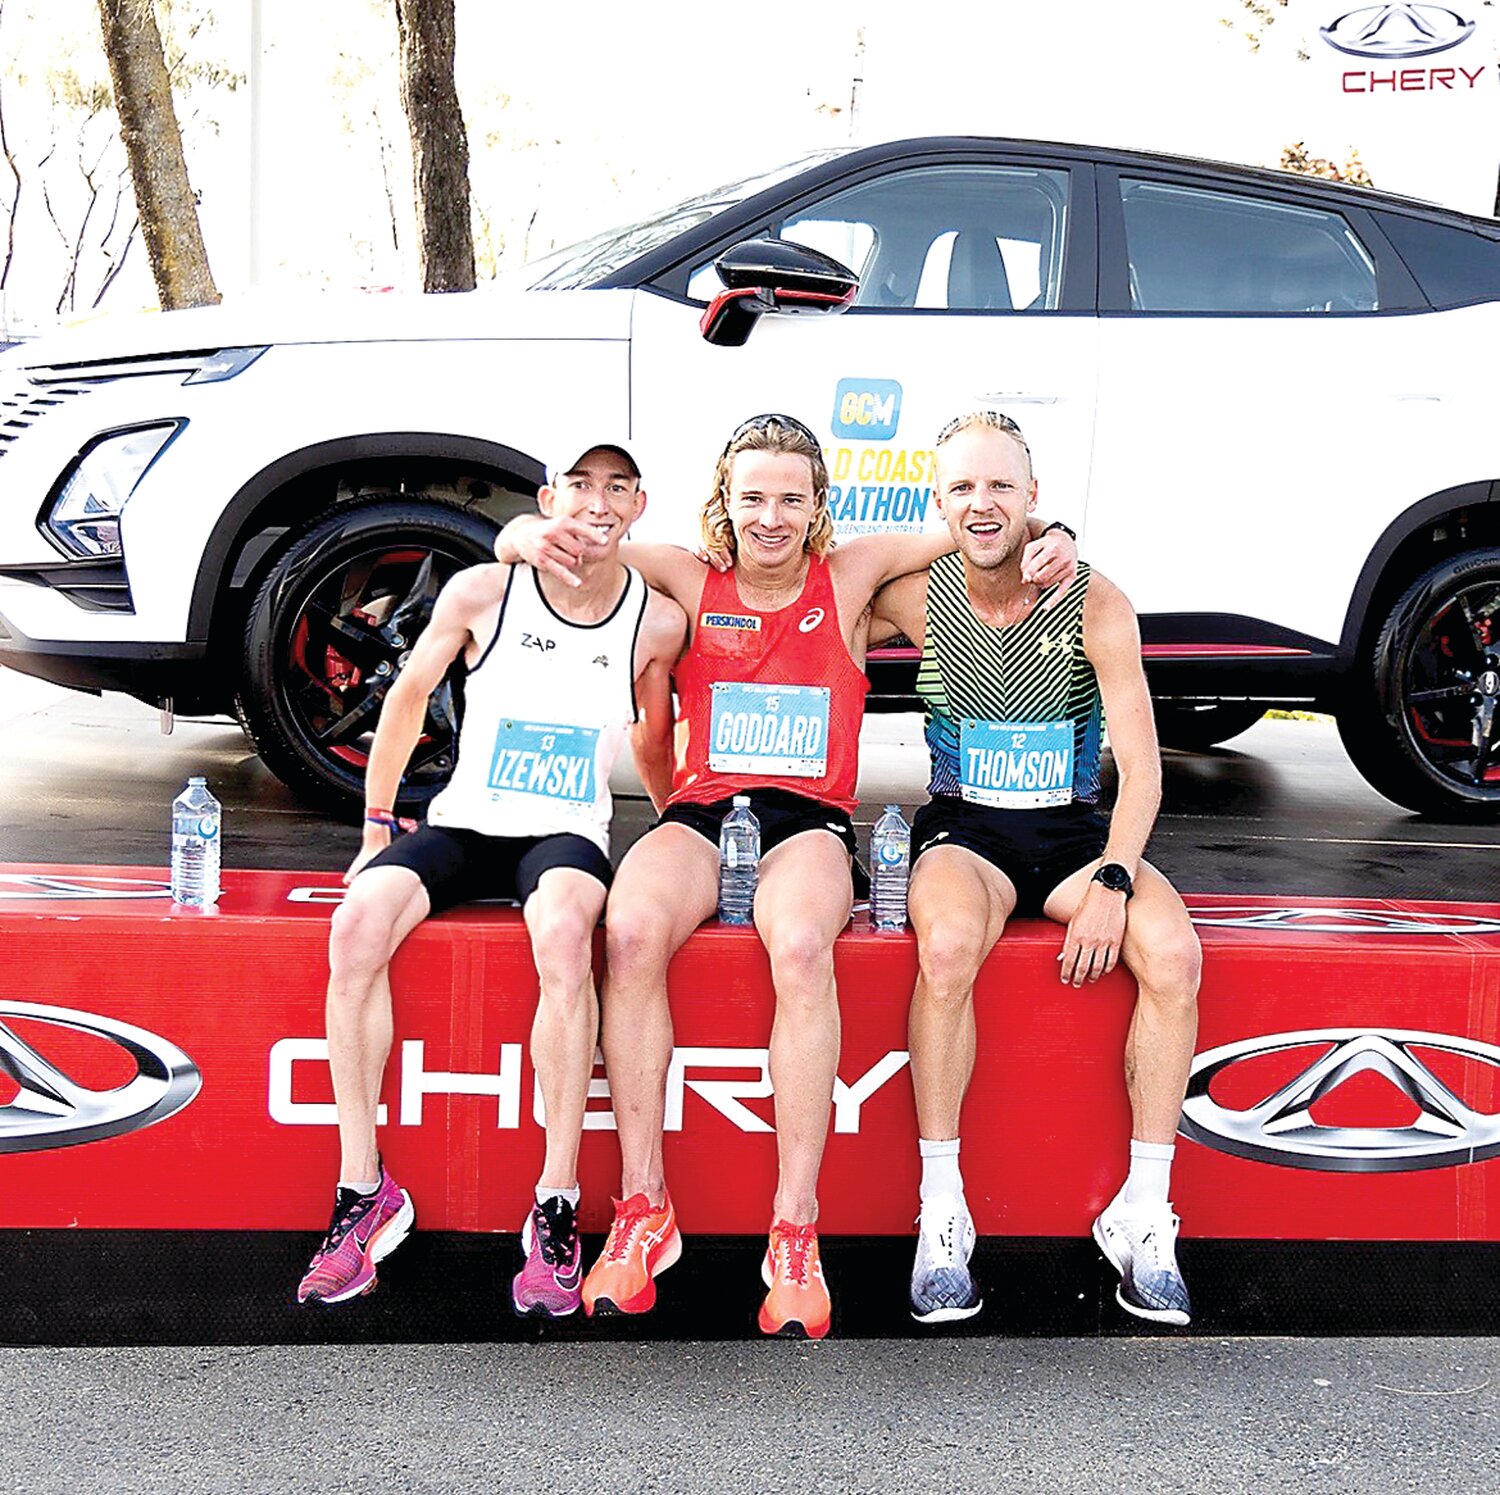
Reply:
x=1114 y=877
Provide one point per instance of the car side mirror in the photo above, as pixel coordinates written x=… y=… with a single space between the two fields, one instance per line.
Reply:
x=773 y=275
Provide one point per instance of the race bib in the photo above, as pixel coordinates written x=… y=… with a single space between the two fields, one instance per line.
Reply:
x=779 y=731
x=554 y=762
x=1016 y=765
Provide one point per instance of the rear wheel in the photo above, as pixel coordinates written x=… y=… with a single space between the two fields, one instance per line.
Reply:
x=1194 y=725
x=329 y=629
x=1422 y=724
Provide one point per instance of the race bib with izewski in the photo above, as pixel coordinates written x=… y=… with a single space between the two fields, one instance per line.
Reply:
x=776 y=730
x=1016 y=765
x=552 y=761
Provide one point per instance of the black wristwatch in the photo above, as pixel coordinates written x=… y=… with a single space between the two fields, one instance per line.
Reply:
x=1116 y=879
x=1058 y=524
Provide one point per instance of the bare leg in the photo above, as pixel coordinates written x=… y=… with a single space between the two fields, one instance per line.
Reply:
x=561 y=916
x=382 y=907
x=1161 y=951
x=666 y=887
x=959 y=904
x=801 y=903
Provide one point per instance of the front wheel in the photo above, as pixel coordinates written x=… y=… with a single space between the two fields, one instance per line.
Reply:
x=1421 y=724
x=330 y=627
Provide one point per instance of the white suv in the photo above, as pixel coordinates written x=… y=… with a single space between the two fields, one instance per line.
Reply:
x=1264 y=402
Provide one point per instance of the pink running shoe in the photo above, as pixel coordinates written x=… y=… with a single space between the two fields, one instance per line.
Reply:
x=365 y=1229
x=550 y=1284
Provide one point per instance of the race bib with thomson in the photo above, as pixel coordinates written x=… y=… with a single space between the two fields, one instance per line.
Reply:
x=776 y=730
x=1016 y=765
x=535 y=758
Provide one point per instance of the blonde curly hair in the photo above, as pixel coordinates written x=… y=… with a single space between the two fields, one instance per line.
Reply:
x=769 y=433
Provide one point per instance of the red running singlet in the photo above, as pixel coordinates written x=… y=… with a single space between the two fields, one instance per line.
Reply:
x=770 y=700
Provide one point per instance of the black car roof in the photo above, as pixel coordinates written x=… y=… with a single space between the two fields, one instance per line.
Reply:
x=1117 y=156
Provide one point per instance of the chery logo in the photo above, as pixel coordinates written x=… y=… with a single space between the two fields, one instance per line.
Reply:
x=1280 y=1128
x=53 y=1110
x=1395 y=31
x=699 y=1070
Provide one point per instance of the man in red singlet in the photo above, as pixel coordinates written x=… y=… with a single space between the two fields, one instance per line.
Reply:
x=771 y=695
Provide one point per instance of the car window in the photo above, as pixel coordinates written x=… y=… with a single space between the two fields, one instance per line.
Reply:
x=1454 y=266
x=956 y=238
x=1193 y=249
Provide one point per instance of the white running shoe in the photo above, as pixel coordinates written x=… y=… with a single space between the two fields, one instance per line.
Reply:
x=1140 y=1243
x=942 y=1291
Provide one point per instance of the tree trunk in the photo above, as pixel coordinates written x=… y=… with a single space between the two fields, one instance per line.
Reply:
x=439 y=144
x=153 y=145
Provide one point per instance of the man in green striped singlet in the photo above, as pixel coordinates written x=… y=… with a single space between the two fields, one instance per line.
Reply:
x=1017 y=684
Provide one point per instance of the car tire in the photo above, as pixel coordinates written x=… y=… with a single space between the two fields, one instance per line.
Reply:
x=330 y=627
x=1409 y=722
x=1194 y=725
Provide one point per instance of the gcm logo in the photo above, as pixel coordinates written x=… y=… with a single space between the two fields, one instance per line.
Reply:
x=866 y=409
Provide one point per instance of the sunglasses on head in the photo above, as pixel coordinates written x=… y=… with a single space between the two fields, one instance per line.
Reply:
x=762 y=422
x=991 y=418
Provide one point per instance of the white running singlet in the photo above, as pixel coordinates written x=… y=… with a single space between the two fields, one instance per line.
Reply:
x=546 y=710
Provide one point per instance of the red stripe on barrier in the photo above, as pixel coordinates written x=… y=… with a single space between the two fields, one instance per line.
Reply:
x=239 y=991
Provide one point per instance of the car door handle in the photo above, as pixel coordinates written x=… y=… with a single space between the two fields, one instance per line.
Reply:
x=1019 y=397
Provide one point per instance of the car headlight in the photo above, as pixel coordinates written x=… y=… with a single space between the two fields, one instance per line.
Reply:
x=84 y=518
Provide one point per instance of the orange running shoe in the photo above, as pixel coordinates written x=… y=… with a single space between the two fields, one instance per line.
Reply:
x=798 y=1304
x=643 y=1242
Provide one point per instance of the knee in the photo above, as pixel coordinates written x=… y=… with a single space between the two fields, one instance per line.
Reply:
x=359 y=939
x=801 y=960
x=1169 y=970
x=562 y=945
x=949 y=955
x=637 y=940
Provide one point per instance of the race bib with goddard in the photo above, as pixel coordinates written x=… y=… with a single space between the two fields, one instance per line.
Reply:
x=776 y=730
x=552 y=761
x=1016 y=765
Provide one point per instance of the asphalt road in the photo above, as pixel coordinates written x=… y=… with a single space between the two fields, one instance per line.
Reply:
x=1055 y=1416
x=1278 y=810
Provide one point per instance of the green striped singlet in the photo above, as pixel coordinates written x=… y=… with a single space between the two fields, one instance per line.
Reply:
x=1014 y=717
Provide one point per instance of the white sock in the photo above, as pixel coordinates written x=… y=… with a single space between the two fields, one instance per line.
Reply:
x=544 y=1192
x=1150 y=1177
x=940 y=1173
x=359 y=1188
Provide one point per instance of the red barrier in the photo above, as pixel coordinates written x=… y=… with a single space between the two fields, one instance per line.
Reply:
x=1375 y=1111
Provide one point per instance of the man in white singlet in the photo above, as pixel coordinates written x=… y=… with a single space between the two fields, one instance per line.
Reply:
x=557 y=675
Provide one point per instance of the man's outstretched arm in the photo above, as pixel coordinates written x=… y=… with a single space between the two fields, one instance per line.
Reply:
x=404 y=709
x=1049 y=559
x=561 y=545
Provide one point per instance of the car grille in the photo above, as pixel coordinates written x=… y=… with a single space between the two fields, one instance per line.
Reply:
x=22 y=409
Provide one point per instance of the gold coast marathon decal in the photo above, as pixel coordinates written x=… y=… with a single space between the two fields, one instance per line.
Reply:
x=878 y=485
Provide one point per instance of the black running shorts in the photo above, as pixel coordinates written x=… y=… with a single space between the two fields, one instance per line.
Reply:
x=782 y=815
x=1035 y=849
x=459 y=866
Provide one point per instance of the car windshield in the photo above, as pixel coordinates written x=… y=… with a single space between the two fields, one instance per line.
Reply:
x=590 y=261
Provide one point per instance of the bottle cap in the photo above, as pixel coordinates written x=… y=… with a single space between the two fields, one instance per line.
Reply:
x=742 y=801
x=197 y=778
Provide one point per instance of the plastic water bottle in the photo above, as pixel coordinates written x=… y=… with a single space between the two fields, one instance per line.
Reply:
x=739 y=862
x=196 y=818
x=890 y=866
